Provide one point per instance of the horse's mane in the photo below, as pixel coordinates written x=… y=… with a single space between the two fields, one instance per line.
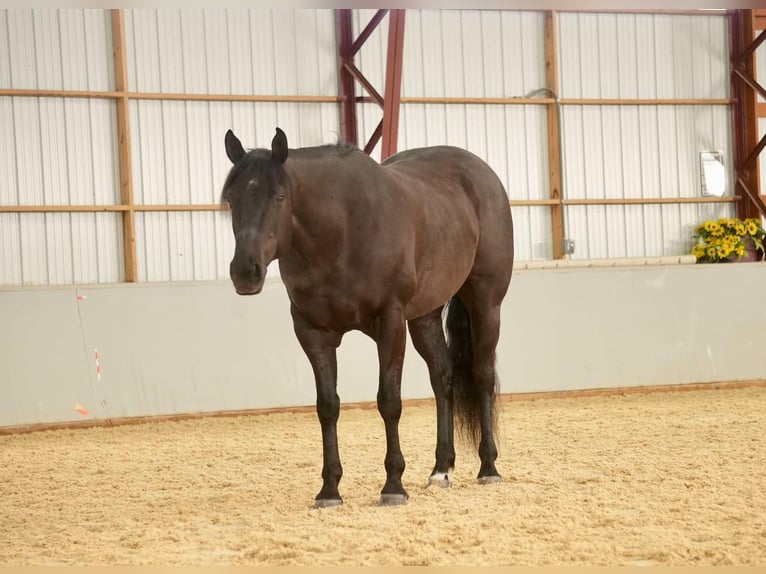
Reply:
x=338 y=149
x=253 y=163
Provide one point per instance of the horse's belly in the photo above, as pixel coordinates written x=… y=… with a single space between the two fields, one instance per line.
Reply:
x=437 y=283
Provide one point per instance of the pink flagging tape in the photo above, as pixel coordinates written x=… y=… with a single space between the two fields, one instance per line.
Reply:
x=98 y=367
x=81 y=409
x=81 y=297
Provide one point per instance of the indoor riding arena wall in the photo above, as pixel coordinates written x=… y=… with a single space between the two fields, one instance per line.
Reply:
x=116 y=306
x=173 y=349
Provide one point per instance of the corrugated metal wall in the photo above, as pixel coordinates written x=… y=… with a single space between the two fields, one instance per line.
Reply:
x=57 y=151
x=473 y=54
x=177 y=146
x=500 y=54
x=177 y=149
x=608 y=151
x=641 y=151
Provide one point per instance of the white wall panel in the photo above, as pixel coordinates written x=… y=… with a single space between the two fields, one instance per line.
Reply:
x=60 y=248
x=55 y=151
x=183 y=246
x=634 y=152
x=643 y=56
x=10 y=249
x=9 y=189
x=20 y=43
x=58 y=151
x=638 y=230
x=56 y=49
x=531 y=233
x=26 y=120
x=472 y=53
x=270 y=52
x=33 y=256
x=5 y=50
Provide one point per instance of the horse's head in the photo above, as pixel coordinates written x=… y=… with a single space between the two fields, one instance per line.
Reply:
x=256 y=191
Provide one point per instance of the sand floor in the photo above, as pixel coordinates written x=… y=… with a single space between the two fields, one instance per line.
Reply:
x=665 y=478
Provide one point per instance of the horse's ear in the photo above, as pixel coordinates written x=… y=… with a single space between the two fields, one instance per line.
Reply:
x=234 y=148
x=279 y=146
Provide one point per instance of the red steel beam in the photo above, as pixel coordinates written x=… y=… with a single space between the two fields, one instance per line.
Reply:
x=374 y=138
x=393 y=83
x=745 y=141
x=359 y=77
x=388 y=128
x=344 y=25
x=368 y=30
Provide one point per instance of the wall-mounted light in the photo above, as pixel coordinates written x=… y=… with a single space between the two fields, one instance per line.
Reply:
x=712 y=174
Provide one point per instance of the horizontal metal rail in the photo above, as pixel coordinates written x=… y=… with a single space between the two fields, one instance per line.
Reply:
x=215 y=207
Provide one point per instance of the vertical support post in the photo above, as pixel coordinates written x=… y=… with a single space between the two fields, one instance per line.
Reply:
x=344 y=28
x=750 y=101
x=743 y=112
x=554 y=142
x=123 y=142
x=393 y=87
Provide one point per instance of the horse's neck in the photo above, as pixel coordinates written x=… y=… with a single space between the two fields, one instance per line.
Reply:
x=317 y=211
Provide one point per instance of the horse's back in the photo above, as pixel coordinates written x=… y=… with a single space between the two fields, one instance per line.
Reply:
x=454 y=166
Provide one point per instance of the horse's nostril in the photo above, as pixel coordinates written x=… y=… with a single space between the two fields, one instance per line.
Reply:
x=255 y=270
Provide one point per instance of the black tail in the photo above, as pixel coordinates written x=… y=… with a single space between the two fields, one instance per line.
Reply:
x=466 y=396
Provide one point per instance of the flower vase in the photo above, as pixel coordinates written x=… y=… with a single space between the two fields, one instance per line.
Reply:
x=752 y=253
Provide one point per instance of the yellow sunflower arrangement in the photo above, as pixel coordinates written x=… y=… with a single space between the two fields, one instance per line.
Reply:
x=727 y=239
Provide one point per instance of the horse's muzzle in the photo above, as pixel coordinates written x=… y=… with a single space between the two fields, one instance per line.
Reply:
x=248 y=288
x=249 y=282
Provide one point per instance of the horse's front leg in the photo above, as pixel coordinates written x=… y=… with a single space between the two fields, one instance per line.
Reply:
x=390 y=334
x=320 y=347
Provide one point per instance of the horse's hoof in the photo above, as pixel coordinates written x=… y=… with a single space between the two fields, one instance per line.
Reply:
x=440 y=479
x=489 y=479
x=392 y=499
x=327 y=502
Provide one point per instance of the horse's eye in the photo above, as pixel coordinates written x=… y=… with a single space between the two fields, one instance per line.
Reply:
x=281 y=198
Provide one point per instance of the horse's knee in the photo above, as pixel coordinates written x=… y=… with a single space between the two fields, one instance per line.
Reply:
x=328 y=407
x=390 y=405
x=389 y=400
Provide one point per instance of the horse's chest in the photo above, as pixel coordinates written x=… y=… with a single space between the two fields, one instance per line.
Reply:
x=330 y=307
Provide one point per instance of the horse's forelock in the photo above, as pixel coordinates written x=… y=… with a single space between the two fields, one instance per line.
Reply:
x=255 y=162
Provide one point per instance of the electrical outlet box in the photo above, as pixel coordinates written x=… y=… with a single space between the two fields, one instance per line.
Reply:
x=569 y=246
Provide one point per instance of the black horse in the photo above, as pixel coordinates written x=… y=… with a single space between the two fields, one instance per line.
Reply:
x=375 y=247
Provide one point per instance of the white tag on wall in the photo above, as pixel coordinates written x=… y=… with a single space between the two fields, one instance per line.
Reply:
x=713 y=173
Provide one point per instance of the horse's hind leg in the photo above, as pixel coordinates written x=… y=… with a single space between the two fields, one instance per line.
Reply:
x=428 y=339
x=484 y=312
